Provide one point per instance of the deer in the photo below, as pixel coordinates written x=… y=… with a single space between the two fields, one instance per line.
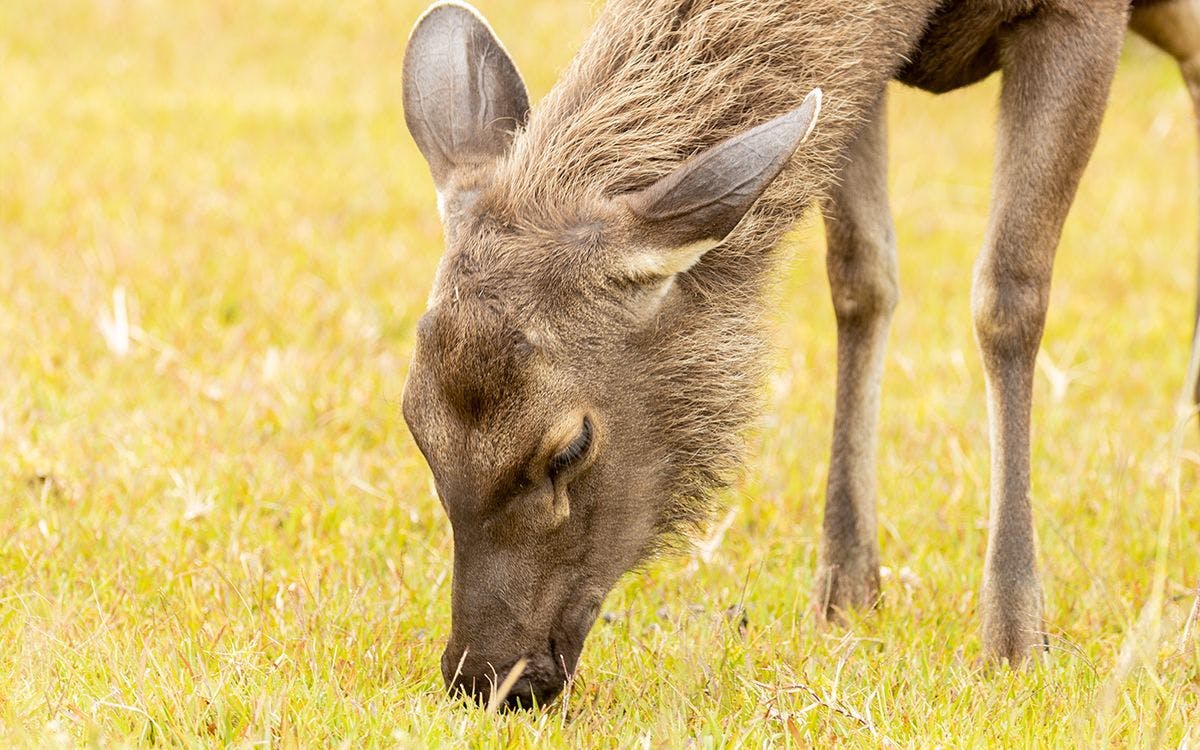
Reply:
x=593 y=350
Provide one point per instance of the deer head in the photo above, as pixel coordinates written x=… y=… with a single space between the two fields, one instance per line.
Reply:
x=534 y=381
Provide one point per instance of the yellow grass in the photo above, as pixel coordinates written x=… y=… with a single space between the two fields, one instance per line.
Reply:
x=215 y=239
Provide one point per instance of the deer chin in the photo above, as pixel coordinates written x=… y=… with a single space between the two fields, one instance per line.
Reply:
x=567 y=640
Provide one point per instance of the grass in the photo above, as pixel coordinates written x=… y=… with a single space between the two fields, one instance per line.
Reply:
x=216 y=238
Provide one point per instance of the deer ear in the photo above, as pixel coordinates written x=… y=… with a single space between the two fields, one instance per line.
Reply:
x=463 y=97
x=693 y=209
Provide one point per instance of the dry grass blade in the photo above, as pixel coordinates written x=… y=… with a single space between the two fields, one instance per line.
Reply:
x=1191 y=621
x=835 y=705
x=501 y=692
x=1142 y=638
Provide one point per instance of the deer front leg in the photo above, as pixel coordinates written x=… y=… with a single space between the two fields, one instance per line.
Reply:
x=1058 y=66
x=861 y=262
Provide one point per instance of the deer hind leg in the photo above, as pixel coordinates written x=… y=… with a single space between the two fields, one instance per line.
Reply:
x=1056 y=76
x=1174 y=26
x=862 y=271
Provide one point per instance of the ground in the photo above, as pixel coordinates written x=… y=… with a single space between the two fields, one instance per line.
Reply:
x=216 y=238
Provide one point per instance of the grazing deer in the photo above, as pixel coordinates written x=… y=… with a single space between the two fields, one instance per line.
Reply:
x=592 y=347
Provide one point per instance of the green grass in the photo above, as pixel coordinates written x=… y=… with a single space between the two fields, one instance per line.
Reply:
x=225 y=534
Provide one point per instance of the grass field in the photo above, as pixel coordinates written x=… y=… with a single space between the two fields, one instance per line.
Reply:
x=215 y=240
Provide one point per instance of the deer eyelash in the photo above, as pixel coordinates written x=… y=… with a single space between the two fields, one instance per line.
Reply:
x=573 y=452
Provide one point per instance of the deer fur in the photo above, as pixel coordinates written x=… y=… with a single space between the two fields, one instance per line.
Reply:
x=633 y=104
x=581 y=287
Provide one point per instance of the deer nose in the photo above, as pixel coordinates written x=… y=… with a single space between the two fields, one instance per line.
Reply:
x=538 y=684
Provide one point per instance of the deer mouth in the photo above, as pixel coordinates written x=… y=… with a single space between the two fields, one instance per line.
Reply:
x=558 y=660
x=541 y=682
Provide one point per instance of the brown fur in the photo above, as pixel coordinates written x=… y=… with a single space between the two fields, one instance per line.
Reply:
x=557 y=302
x=655 y=83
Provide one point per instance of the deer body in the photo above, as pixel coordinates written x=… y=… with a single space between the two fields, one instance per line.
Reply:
x=592 y=348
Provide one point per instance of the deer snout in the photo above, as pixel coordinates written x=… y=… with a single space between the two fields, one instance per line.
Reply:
x=526 y=681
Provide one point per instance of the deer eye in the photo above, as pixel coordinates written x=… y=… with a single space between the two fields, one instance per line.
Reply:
x=573 y=453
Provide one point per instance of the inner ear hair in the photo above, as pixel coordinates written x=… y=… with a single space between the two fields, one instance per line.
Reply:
x=656 y=264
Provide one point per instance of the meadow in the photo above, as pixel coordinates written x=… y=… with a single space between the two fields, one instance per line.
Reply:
x=215 y=240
